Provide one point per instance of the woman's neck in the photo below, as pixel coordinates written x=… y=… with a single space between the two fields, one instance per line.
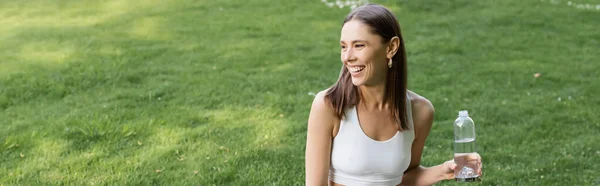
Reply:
x=373 y=97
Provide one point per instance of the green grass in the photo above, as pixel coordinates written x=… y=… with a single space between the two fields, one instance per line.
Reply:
x=218 y=92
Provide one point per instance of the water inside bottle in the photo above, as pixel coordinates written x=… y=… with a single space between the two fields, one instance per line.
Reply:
x=465 y=145
x=466 y=159
x=467 y=167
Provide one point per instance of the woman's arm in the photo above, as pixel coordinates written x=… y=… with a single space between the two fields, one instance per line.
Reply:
x=420 y=175
x=423 y=114
x=318 y=141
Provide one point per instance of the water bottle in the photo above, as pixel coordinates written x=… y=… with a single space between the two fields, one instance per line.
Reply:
x=465 y=150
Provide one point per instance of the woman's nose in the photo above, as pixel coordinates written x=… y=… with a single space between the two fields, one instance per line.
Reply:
x=347 y=55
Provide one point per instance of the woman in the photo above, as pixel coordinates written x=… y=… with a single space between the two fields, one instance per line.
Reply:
x=368 y=129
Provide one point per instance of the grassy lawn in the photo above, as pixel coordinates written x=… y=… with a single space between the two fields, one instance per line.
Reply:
x=184 y=92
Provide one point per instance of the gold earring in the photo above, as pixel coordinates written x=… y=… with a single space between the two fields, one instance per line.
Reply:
x=390 y=63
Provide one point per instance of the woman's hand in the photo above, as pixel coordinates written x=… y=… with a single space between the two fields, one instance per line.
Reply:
x=448 y=169
x=450 y=166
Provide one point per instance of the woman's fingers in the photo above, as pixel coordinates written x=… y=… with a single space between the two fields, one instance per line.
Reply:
x=450 y=164
x=479 y=170
x=475 y=159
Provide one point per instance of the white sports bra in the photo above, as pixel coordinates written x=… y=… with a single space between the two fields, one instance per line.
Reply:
x=356 y=159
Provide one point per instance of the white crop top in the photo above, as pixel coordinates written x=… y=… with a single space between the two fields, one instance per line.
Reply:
x=356 y=159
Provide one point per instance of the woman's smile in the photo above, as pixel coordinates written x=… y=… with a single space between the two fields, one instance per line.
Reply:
x=356 y=69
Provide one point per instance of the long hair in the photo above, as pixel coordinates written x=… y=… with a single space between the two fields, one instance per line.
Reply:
x=343 y=94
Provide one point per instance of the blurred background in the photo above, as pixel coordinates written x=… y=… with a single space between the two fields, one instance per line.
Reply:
x=201 y=92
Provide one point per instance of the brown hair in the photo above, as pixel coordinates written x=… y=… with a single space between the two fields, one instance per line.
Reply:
x=343 y=94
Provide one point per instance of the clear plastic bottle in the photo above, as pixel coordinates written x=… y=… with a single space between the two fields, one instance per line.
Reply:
x=465 y=149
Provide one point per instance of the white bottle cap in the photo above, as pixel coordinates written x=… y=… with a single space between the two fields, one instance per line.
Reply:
x=463 y=113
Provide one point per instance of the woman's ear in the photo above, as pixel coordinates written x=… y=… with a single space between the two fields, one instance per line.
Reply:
x=392 y=47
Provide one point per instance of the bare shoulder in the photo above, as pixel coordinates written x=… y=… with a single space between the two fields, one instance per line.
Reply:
x=321 y=103
x=423 y=111
x=420 y=104
x=322 y=112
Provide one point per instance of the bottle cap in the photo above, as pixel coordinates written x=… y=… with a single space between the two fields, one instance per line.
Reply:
x=463 y=113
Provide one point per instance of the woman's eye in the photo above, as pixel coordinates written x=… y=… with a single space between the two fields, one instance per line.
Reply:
x=343 y=47
x=359 y=45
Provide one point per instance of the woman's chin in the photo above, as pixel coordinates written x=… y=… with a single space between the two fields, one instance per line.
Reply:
x=357 y=82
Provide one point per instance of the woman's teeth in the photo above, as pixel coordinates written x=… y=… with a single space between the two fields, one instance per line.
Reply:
x=356 y=69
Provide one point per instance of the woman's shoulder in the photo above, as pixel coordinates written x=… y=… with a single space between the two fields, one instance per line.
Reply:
x=422 y=108
x=321 y=102
x=322 y=114
x=419 y=101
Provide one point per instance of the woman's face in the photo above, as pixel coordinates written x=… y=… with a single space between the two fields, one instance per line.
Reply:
x=363 y=54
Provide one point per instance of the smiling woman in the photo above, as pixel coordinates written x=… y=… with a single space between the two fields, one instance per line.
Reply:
x=368 y=129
